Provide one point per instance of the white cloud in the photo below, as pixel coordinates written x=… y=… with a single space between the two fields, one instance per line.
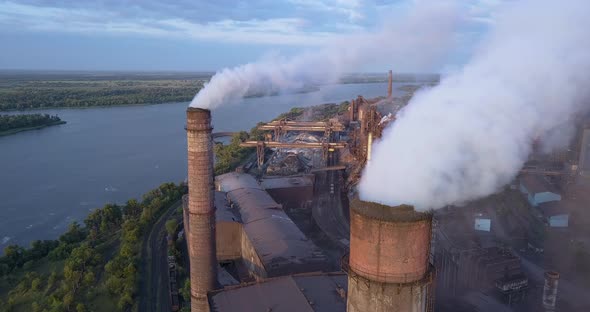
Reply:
x=349 y=8
x=276 y=31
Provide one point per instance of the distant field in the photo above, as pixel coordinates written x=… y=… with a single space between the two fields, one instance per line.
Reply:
x=29 y=90
x=24 y=90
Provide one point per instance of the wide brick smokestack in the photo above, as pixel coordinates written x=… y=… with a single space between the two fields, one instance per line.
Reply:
x=389 y=259
x=201 y=209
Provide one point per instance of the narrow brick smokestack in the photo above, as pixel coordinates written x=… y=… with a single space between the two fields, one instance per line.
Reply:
x=390 y=84
x=389 y=259
x=201 y=209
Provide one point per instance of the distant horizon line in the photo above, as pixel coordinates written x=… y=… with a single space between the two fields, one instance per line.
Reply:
x=164 y=71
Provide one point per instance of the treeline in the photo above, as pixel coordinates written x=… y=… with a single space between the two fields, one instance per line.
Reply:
x=228 y=157
x=10 y=122
x=90 y=266
x=40 y=94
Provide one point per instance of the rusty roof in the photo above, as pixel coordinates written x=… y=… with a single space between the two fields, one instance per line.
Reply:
x=288 y=293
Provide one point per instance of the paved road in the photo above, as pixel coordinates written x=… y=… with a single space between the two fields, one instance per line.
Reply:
x=154 y=284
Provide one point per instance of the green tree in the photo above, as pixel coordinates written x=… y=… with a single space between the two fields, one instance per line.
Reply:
x=171 y=226
x=35 y=284
x=80 y=308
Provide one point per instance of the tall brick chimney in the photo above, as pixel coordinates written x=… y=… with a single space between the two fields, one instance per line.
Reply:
x=390 y=84
x=201 y=209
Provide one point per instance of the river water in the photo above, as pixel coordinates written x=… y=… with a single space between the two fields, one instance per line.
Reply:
x=56 y=175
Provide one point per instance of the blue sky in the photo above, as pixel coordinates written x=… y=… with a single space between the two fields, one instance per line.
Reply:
x=189 y=35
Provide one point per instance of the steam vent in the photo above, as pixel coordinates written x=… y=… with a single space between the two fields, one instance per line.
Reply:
x=201 y=209
x=389 y=259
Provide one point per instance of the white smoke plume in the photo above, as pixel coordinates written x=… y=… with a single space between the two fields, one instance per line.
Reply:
x=416 y=41
x=469 y=136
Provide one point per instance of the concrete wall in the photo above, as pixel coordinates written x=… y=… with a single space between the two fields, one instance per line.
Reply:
x=293 y=197
x=229 y=240
x=251 y=259
x=366 y=295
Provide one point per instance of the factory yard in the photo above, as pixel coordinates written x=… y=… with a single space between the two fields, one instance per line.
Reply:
x=286 y=213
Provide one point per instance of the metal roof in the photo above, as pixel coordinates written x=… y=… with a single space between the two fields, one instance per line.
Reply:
x=223 y=211
x=253 y=204
x=280 y=245
x=286 y=182
x=326 y=292
x=232 y=181
x=289 y=293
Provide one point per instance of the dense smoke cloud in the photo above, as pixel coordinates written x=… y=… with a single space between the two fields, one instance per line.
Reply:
x=469 y=136
x=416 y=41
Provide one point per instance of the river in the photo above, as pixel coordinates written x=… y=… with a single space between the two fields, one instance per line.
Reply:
x=56 y=175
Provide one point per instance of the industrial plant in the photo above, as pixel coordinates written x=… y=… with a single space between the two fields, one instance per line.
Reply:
x=286 y=230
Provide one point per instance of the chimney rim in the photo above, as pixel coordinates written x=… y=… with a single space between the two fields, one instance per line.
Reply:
x=198 y=109
x=399 y=213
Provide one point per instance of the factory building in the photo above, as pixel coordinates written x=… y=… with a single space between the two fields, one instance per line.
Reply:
x=301 y=293
x=467 y=262
x=555 y=214
x=271 y=244
x=538 y=190
x=278 y=267
x=290 y=191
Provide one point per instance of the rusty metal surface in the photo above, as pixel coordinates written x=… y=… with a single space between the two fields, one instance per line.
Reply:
x=273 y=144
x=389 y=251
x=201 y=209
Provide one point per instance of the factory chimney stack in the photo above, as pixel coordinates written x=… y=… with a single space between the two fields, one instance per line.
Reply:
x=390 y=84
x=201 y=209
x=388 y=266
x=550 y=290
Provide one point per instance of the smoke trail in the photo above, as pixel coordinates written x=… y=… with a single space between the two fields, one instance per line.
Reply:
x=469 y=136
x=418 y=41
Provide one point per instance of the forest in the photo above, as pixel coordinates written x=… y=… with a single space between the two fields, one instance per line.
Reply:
x=14 y=123
x=94 y=266
x=39 y=94
x=38 y=90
